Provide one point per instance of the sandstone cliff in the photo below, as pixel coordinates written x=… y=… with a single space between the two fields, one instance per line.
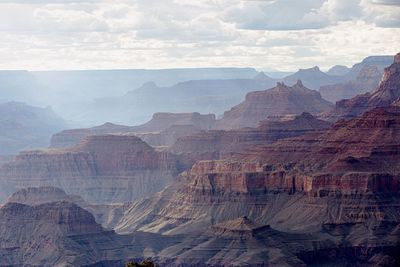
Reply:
x=101 y=169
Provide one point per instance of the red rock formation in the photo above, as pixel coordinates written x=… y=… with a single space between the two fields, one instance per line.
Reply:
x=63 y=234
x=279 y=101
x=221 y=144
x=102 y=169
x=345 y=174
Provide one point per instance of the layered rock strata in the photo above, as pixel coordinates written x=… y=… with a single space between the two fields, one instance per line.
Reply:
x=101 y=169
x=279 y=101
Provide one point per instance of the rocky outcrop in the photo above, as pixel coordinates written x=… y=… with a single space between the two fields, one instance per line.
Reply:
x=161 y=130
x=101 y=169
x=279 y=101
x=105 y=214
x=64 y=234
x=386 y=94
x=32 y=196
x=367 y=80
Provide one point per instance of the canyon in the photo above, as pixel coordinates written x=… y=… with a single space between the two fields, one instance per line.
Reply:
x=285 y=178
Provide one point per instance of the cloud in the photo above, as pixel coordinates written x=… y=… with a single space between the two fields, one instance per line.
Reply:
x=36 y=2
x=311 y=14
x=275 y=34
x=275 y=15
x=387 y=2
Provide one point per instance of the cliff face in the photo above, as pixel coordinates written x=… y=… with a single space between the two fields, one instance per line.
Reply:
x=386 y=94
x=219 y=144
x=349 y=173
x=101 y=169
x=160 y=130
x=279 y=101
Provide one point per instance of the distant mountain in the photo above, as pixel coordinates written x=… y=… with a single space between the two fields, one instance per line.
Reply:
x=162 y=126
x=280 y=101
x=381 y=62
x=367 y=80
x=312 y=78
x=71 y=93
x=25 y=127
x=102 y=83
x=386 y=94
x=203 y=96
x=338 y=70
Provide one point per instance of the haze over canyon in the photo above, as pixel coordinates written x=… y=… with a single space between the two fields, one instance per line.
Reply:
x=199 y=133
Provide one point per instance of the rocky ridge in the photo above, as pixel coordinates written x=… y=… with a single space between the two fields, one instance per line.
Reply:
x=162 y=129
x=281 y=100
x=386 y=94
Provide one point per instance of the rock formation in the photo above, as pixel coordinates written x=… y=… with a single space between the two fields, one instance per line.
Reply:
x=387 y=93
x=64 y=234
x=101 y=169
x=162 y=129
x=281 y=100
x=219 y=144
x=296 y=192
x=339 y=184
x=105 y=214
x=367 y=80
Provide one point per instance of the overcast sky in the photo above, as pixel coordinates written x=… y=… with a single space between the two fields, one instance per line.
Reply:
x=276 y=34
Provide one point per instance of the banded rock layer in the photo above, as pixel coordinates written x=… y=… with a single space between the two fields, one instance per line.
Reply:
x=279 y=101
x=101 y=169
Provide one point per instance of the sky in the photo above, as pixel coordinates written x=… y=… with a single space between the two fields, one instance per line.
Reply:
x=119 y=34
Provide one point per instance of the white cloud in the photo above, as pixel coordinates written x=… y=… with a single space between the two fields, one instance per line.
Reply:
x=282 y=34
